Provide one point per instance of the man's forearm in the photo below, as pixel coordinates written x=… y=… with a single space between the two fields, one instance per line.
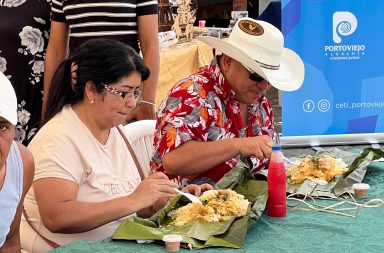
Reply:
x=195 y=157
x=51 y=64
x=152 y=60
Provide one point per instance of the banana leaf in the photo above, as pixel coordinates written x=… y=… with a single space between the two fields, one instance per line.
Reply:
x=342 y=185
x=200 y=234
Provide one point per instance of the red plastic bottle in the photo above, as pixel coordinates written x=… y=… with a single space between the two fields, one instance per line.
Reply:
x=277 y=203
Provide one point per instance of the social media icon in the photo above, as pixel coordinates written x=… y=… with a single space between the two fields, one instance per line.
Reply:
x=308 y=106
x=344 y=24
x=323 y=105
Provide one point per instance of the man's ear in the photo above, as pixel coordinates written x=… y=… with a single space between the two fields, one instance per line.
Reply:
x=226 y=63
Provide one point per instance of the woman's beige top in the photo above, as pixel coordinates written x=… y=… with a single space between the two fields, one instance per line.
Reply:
x=65 y=148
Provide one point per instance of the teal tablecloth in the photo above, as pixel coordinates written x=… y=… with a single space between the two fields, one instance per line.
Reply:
x=300 y=231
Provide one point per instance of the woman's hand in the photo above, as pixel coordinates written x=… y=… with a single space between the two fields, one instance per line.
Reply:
x=154 y=187
x=197 y=189
x=162 y=201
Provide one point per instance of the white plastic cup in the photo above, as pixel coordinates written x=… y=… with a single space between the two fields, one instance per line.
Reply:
x=172 y=242
x=361 y=190
x=201 y=23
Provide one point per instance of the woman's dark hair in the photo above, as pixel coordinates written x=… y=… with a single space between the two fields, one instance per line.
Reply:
x=98 y=60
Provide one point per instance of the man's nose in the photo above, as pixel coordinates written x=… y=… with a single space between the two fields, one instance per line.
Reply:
x=264 y=84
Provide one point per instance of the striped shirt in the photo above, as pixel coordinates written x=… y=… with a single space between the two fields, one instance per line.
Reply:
x=102 y=19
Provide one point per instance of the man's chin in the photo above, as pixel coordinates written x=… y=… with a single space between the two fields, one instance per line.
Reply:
x=252 y=99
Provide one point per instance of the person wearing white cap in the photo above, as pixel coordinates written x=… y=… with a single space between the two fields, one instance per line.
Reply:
x=16 y=170
x=212 y=118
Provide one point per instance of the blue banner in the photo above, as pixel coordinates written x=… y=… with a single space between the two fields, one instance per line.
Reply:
x=341 y=44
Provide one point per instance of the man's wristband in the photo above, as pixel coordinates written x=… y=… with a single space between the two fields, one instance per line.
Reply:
x=147 y=102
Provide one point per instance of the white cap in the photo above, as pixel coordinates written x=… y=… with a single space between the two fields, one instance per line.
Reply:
x=8 y=100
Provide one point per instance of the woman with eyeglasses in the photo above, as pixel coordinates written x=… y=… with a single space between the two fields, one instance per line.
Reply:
x=86 y=181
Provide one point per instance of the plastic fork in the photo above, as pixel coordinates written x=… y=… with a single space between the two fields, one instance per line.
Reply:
x=191 y=197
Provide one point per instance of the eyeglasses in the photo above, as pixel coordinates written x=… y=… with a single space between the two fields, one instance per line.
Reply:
x=135 y=93
x=254 y=76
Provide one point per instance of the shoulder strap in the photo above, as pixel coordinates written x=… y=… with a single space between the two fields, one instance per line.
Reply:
x=133 y=154
x=51 y=243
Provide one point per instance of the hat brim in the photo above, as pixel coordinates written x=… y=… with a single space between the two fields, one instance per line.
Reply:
x=8 y=114
x=288 y=77
x=8 y=100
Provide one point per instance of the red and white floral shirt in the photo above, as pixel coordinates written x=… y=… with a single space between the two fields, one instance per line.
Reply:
x=204 y=107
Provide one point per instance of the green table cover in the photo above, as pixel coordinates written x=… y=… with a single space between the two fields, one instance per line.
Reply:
x=300 y=231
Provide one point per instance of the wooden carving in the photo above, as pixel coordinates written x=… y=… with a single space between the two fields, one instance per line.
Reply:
x=183 y=20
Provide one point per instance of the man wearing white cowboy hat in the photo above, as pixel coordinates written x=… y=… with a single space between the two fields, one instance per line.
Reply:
x=213 y=117
x=16 y=170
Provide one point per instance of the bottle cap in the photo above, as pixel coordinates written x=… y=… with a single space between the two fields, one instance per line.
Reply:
x=276 y=147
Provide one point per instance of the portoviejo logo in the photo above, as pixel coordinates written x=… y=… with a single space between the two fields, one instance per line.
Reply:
x=344 y=24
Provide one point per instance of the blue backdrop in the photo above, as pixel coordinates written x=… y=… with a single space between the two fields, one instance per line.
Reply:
x=342 y=45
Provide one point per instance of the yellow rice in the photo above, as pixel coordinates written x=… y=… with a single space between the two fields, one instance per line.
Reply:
x=218 y=205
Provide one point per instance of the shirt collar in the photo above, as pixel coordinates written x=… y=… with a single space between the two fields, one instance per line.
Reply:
x=221 y=85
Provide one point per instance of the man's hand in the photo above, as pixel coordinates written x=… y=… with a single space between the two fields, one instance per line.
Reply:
x=258 y=146
x=142 y=111
x=197 y=190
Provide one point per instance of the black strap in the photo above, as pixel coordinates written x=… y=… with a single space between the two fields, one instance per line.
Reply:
x=133 y=154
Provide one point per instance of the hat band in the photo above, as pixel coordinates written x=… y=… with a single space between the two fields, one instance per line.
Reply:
x=255 y=48
x=267 y=66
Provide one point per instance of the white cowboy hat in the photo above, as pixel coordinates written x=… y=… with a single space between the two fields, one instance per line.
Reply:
x=259 y=46
x=8 y=101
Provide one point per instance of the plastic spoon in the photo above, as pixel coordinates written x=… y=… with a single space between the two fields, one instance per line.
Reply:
x=270 y=144
x=290 y=161
x=191 y=197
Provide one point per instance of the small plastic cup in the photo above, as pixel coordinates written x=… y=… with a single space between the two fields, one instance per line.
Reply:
x=172 y=242
x=361 y=190
x=201 y=23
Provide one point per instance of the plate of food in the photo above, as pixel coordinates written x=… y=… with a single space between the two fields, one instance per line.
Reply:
x=329 y=173
x=319 y=168
x=222 y=220
x=217 y=206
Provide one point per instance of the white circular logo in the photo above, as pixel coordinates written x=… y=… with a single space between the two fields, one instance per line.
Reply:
x=308 y=106
x=324 y=105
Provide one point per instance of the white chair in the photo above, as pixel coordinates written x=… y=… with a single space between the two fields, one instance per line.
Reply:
x=140 y=134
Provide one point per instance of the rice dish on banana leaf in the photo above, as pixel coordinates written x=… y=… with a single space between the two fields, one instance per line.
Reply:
x=217 y=206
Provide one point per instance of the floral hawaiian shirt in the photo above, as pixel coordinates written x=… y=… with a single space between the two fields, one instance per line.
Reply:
x=204 y=107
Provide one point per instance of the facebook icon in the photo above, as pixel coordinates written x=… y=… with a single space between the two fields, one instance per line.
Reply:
x=308 y=106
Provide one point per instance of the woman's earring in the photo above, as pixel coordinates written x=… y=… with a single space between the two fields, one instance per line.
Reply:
x=92 y=101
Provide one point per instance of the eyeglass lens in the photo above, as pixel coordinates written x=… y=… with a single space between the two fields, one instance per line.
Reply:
x=135 y=93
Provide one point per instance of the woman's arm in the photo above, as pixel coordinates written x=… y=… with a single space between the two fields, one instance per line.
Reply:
x=57 y=50
x=62 y=213
x=149 y=44
x=12 y=242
